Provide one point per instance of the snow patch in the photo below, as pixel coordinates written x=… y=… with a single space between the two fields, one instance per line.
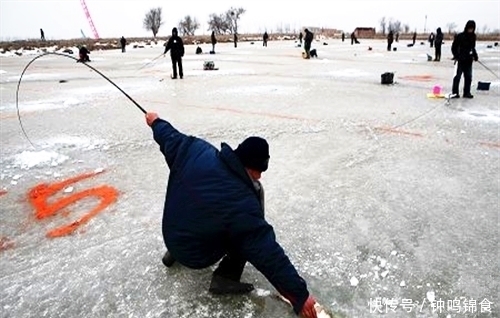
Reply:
x=431 y=296
x=3 y=72
x=354 y=281
x=30 y=159
x=44 y=104
x=73 y=142
x=262 y=292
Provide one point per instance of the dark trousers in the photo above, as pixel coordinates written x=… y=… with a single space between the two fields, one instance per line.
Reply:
x=437 y=50
x=264 y=43
x=231 y=267
x=463 y=67
x=177 y=60
x=307 y=48
x=389 y=45
x=123 y=49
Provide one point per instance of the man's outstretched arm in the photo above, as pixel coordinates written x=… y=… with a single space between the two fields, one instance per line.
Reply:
x=166 y=136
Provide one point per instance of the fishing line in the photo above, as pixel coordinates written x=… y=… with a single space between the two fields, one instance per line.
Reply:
x=150 y=62
x=73 y=58
x=489 y=69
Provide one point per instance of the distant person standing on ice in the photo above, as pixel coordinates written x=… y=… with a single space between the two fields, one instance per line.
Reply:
x=390 y=40
x=42 y=35
x=397 y=36
x=123 y=43
x=235 y=40
x=265 y=37
x=176 y=48
x=437 y=45
x=343 y=36
x=214 y=41
x=301 y=36
x=431 y=39
x=414 y=37
x=307 y=42
x=214 y=210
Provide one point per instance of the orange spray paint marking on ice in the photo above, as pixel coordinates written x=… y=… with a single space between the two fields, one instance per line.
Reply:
x=490 y=144
x=39 y=195
x=398 y=131
x=3 y=192
x=5 y=243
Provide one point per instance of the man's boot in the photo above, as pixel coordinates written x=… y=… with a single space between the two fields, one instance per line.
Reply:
x=168 y=260
x=223 y=286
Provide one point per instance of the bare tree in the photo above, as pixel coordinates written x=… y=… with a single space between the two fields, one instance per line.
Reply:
x=218 y=23
x=396 y=26
x=279 y=28
x=287 y=28
x=382 y=25
x=451 y=27
x=233 y=16
x=406 y=28
x=153 y=20
x=188 y=25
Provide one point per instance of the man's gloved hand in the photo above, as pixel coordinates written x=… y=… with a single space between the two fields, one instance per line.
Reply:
x=150 y=118
x=308 y=310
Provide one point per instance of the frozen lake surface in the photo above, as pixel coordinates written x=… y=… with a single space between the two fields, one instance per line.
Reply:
x=377 y=193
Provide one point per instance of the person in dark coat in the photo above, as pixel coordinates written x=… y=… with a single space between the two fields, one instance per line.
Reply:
x=438 y=41
x=265 y=37
x=343 y=36
x=83 y=53
x=42 y=35
x=414 y=37
x=214 y=41
x=354 y=39
x=464 y=53
x=214 y=209
x=123 y=43
x=390 y=40
x=235 y=40
x=176 y=47
x=309 y=37
x=431 y=39
x=301 y=36
x=397 y=36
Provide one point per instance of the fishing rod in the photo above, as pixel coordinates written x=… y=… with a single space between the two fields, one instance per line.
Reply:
x=73 y=58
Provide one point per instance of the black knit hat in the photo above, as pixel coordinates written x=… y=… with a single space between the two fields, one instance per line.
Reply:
x=254 y=153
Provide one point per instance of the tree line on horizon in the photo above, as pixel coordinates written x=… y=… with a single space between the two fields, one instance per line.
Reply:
x=227 y=23
x=220 y=23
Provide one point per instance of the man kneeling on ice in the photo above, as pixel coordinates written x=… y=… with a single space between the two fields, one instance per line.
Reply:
x=214 y=209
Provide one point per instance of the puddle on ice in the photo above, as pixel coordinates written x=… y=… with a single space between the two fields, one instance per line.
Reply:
x=260 y=89
x=348 y=73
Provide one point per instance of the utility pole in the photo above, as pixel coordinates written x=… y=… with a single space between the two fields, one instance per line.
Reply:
x=425 y=25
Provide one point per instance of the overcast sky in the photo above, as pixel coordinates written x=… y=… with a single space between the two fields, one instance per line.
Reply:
x=20 y=19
